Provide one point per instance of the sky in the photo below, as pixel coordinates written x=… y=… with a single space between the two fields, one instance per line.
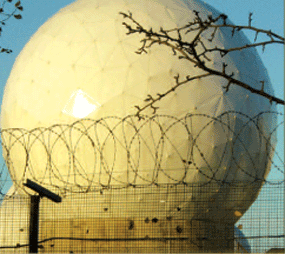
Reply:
x=266 y=15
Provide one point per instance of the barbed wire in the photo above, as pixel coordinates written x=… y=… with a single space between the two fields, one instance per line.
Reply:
x=115 y=152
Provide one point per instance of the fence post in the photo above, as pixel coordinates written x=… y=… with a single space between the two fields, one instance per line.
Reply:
x=34 y=224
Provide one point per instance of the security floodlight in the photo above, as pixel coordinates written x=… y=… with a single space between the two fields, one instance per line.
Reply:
x=43 y=192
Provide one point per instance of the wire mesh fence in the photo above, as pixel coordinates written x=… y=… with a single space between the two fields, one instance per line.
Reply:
x=263 y=224
x=144 y=220
x=151 y=185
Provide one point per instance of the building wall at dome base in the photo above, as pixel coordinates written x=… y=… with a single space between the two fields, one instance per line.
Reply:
x=135 y=235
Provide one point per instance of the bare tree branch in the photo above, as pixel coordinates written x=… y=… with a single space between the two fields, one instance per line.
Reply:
x=269 y=33
x=152 y=100
x=188 y=50
x=8 y=9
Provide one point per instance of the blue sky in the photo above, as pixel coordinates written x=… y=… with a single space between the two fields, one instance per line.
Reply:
x=267 y=15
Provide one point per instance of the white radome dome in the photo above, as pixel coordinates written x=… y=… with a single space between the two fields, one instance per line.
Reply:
x=81 y=64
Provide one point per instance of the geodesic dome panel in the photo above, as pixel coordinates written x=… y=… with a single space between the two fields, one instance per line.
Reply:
x=82 y=64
